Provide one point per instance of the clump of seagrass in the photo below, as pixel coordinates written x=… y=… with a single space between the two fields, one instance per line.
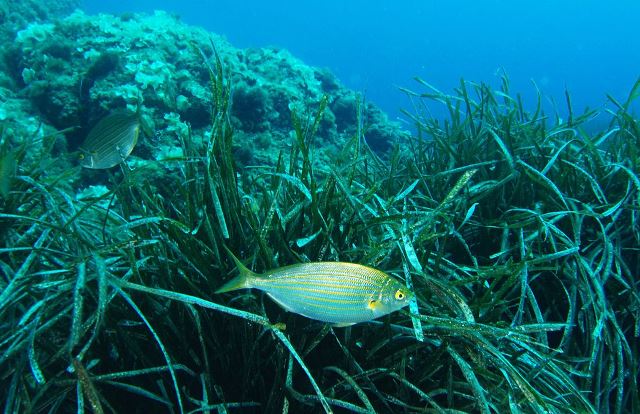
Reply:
x=546 y=246
x=517 y=233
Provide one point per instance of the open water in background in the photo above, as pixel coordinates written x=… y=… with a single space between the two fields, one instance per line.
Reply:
x=590 y=47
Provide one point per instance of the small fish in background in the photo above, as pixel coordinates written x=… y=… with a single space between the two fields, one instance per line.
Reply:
x=335 y=292
x=110 y=141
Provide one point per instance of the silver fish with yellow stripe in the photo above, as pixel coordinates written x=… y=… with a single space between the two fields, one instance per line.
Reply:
x=111 y=141
x=335 y=292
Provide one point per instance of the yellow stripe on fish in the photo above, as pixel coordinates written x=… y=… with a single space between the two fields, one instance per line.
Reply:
x=335 y=292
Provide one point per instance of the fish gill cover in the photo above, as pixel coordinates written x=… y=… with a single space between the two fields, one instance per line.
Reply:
x=516 y=231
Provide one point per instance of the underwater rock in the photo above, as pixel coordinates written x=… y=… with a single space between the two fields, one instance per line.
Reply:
x=345 y=111
x=15 y=15
x=251 y=106
x=81 y=67
x=19 y=122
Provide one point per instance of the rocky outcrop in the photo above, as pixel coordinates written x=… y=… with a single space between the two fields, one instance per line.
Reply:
x=76 y=69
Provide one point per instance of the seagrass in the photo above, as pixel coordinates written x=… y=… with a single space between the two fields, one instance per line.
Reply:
x=516 y=231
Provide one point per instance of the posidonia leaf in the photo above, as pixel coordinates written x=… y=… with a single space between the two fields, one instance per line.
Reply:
x=297 y=183
x=220 y=308
x=468 y=215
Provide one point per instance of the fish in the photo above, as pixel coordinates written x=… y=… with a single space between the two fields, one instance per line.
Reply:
x=110 y=141
x=338 y=293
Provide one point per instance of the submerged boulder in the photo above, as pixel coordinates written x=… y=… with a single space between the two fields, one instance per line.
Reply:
x=76 y=69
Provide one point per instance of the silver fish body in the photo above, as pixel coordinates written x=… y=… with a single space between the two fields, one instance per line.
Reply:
x=110 y=141
x=335 y=292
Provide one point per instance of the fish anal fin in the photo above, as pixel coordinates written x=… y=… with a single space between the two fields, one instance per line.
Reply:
x=342 y=324
x=282 y=304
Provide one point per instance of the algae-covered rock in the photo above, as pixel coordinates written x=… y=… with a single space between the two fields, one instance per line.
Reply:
x=18 y=123
x=16 y=14
x=79 y=68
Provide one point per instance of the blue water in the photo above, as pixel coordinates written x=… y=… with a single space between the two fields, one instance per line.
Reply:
x=590 y=47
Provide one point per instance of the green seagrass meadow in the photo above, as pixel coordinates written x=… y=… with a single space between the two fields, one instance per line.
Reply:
x=517 y=230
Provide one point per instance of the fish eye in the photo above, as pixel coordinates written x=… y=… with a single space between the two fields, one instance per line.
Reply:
x=400 y=295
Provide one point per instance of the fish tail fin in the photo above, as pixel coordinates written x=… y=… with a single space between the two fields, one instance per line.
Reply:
x=242 y=281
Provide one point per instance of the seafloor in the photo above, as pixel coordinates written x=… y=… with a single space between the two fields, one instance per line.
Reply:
x=516 y=229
